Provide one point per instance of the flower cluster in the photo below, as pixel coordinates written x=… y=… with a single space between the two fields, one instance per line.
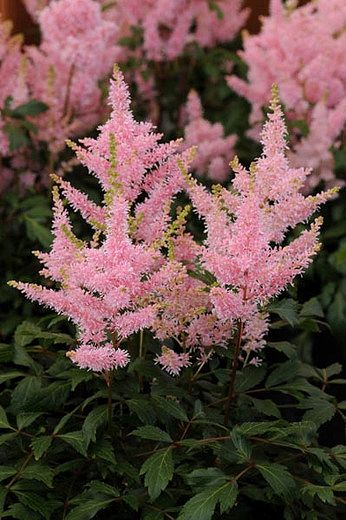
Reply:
x=168 y=26
x=246 y=227
x=77 y=51
x=302 y=49
x=104 y=282
x=214 y=149
x=143 y=270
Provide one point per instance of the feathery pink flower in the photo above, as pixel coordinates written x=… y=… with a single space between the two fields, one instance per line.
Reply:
x=77 y=51
x=172 y=362
x=246 y=227
x=302 y=50
x=169 y=25
x=99 y=359
x=214 y=150
x=106 y=285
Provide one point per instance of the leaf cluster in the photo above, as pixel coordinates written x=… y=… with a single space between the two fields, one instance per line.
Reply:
x=153 y=447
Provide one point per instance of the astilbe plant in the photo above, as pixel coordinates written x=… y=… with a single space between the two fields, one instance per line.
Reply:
x=148 y=444
x=104 y=283
x=136 y=271
x=301 y=49
x=245 y=249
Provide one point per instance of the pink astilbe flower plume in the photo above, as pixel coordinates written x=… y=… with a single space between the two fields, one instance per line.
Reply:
x=99 y=359
x=77 y=51
x=104 y=285
x=246 y=226
x=143 y=270
x=172 y=362
x=214 y=150
x=302 y=50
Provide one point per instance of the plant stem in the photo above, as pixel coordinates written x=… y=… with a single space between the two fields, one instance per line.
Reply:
x=19 y=472
x=235 y=362
x=109 y=381
x=141 y=344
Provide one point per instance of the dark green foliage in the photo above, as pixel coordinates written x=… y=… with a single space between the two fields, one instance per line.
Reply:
x=166 y=452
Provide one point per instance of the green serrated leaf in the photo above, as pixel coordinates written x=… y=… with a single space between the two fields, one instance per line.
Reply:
x=20 y=512
x=333 y=370
x=25 y=419
x=153 y=515
x=153 y=433
x=143 y=409
x=38 y=472
x=103 y=449
x=3 y=494
x=6 y=355
x=93 y=421
x=312 y=308
x=283 y=373
x=89 y=509
x=7 y=438
x=287 y=309
x=4 y=424
x=76 y=440
x=158 y=471
x=324 y=493
x=323 y=412
x=202 y=505
x=6 y=472
x=266 y=407
x=199 y=479
x=277 y=476
x=251 y=429
x=169 y=407
x=11 y=374
x=96 y=486
x=36 y=503
x=40 y=445
x=64 y=420
x=339 y=453
x=79 y=376
x=242 y=446
x=285 y=347
x=249 y=378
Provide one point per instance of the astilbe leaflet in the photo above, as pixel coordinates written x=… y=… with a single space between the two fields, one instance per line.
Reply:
x=103 y=284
